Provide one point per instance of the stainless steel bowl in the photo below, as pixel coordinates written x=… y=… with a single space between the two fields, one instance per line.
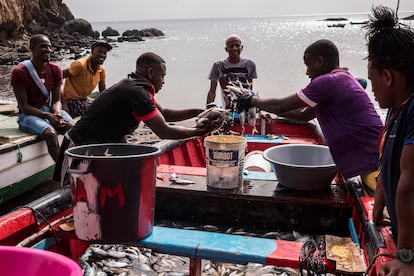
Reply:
x=302 y=166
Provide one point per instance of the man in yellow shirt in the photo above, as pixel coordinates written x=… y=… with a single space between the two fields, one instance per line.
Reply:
x=82 y=76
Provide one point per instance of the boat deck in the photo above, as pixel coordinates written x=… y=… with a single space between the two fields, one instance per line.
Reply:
x=261 y=203
x=11 y=136
x=260 y=207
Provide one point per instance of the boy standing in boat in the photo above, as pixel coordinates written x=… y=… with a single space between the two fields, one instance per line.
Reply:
x=82 y=76
x=347 y=117
x=391 y=71
x=37 y=86
x=233 y=68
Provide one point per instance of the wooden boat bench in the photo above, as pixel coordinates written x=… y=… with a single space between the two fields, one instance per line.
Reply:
x=219 y=247
x=10 y=133
x=198 y=245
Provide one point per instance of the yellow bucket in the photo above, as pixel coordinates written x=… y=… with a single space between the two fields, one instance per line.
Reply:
x=225 y=161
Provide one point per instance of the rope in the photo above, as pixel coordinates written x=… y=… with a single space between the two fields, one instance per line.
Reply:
x=305 y=258
x=312 y=257
x=49 y=227
x=19 y=154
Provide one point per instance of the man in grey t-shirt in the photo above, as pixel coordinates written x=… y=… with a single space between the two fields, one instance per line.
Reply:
x=234 y=68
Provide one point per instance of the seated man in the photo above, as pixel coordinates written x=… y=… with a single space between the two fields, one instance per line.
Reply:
x=82 y=76
x=36 y=84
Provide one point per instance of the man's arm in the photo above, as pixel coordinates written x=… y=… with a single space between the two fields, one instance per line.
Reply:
x=278 y=106
x=102 y=80
x=101 y=85
x=379 y=202
x=165 y=131
x=66 y=74
x=405 y=214
x=211 y=95
x=23 y=103
x=56 y=105
x=65 y=105
x=56 y=119
x=301 y=114
x=172 y=115
x=405 y=199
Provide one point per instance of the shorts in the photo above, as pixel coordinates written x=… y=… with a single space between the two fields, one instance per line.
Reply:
x=79 y=107
x=36 y=125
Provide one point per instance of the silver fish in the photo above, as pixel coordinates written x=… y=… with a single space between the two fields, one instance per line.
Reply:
x=176 y=180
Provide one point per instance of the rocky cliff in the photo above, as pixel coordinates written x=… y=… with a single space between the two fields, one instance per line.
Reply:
x=19 y=19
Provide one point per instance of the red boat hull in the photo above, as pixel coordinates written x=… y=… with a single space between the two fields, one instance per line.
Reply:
x=38 y=224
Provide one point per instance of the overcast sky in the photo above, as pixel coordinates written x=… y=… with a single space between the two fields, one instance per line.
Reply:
x=123 y=10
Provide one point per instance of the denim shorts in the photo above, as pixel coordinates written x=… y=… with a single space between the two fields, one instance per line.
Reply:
x=36 y=125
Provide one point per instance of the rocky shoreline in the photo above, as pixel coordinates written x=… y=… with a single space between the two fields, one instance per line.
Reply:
x=71 y=43
x=71 y=38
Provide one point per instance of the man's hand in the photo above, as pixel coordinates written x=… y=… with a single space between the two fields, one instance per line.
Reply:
x=396 y=267
x=211 y=119
x=380 y=216
x=56 y=120
x=244 y=102
x=242 y=97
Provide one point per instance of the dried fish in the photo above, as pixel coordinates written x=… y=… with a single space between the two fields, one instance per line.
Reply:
x=211 y=228
x=101 y=273
x=115 y=264
x=106 y=153
x=271 y=235
x=176 y=180
x=98 y=251
x=116 y=254
x=123 y=260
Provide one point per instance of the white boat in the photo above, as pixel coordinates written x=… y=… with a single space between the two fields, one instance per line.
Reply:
x=24 y=160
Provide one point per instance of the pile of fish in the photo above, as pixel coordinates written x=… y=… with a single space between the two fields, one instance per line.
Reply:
x=124 y=260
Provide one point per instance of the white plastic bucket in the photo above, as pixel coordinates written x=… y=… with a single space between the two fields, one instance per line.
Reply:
x=255 y=161
x=225 y=161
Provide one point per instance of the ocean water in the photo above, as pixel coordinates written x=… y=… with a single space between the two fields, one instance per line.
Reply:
x=276 y=45
x=190 y=48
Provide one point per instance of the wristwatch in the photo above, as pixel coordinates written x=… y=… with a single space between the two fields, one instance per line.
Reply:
x=405 y=255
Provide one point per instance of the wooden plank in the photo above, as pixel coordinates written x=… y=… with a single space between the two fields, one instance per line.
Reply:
x=9 y=131
x=225 y=248
x=14 y=136
x=9 y=108
x=262 y=186
x=8 y=121
x=211 y=246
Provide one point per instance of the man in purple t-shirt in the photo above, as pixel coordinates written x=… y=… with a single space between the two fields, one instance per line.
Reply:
x=347 y=117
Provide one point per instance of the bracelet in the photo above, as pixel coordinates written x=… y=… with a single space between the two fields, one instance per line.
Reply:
x=211 y=105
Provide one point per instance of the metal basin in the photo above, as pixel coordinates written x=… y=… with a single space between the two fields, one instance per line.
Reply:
x=302 y=166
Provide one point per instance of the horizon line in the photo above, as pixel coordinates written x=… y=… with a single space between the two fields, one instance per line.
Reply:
x=236 y=17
